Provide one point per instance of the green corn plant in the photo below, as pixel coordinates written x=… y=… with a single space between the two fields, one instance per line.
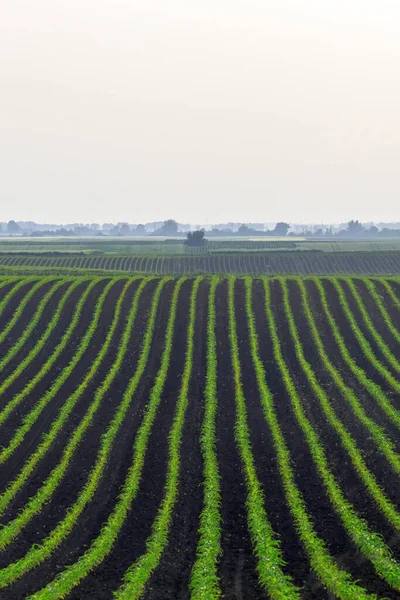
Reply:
x=265 y=541
x=44 y=493
x=384 y=444
x=382 y=502
x=336 y=580
x=138 y=574
x=101 y=546
x=40 y=405
x=204 y=582
x=372 y=388
x=369 y=543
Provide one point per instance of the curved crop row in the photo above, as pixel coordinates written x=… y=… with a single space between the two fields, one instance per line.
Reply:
x=11 y=293
x=33 y=324
x=139 y=573
x=385 y=445
x=204 y=582
x=44 y=493
x=22 y=365
x=389 y=356
x=369 y=543
x=265 y=541
x=29 y=386
x=40 y=405
x=347 y=441
x=363 y=342
x=336 y=580
x=101 y=546
x=384 y=313
x=22 y=305
x=374 y=389
x=7 y=281
x=391 y=293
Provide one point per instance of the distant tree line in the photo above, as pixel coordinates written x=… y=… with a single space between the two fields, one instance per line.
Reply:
x=354 y=229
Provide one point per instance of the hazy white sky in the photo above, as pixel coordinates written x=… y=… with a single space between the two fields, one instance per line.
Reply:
x=202 y=111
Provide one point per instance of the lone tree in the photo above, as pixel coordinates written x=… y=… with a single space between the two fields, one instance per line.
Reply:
x=195 y=238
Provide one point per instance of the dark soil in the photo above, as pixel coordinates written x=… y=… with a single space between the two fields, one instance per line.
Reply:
x=238 y=565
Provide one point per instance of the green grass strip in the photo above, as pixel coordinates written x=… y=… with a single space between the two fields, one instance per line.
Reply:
x=34 y=505
x=22 y=305
x=39 y=345
x=102 y=545
x=265 y=541
x=138 y=574
x=204 y=581
x=337 y=581
x=372 y=388
x=38 y=408
x=34 y=322
x=389 y=356
x=368 y=542
x=378 y=434
x=348 y=443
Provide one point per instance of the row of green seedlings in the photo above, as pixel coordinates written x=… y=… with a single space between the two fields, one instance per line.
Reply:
x=33 y=415
x=368 y=323
x=45 y=492
x=37 y=271
x=22 y=365
x=336 y=580
x=102 y=545
x=139 y=573
x=72 y=284
x=204 y=581
x=266 y=543
x=369 y=543
x=348 y=443
x=373 y=389
x=89 y=560
x=377 y=298
x=8 y=281
x=32 y=289
x=377 y=433
x=365 y=345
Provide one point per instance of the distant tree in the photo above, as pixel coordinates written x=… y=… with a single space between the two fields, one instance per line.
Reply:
x=169 y=227
x=245 y=230
x=13 y=227
x=280 y=229
x=107 y=226
x=140 y=230
x=115 y=230
x=195 y=238
x=372 y=231
x=354 y=228
x=124 y=229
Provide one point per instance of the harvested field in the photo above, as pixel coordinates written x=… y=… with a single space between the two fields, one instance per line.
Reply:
x=199 y=437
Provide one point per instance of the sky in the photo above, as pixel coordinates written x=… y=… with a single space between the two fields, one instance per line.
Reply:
x=205 y=112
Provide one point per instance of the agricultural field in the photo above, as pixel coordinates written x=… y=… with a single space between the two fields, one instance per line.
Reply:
x=154 y=246
x=199 y=437
x=240 y=263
